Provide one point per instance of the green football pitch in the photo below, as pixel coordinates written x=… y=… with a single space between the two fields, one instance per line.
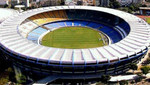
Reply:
x=74 y=38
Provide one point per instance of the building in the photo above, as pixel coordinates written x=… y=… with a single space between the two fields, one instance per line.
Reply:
x=97 y=2
x=23 y=2
x=70 y=2
x=104 y=3
x=83 y=2
x=91 y=2
x=138 y=1
x=29 y=3
x=128 y=2
x=144 y=10
x=50 y=2
x=3 y=2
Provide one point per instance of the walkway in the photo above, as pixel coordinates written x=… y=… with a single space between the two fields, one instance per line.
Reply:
x=124 y=77
x=144 y=59
x=46 y=80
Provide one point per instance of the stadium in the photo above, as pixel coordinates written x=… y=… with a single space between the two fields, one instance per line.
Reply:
x=124 y=40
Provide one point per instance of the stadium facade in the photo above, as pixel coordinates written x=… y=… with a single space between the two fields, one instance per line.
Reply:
x=20 y=45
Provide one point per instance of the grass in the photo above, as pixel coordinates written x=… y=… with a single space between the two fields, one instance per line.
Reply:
x=73 y=37
x=148 y=20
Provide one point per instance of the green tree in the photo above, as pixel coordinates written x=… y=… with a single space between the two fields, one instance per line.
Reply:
x=124 y=9
x=62 y=3
x=123 y=82
x=133 y=81
x=147 y=0
x=4 y=76
x=22 y=79
x=129 y=11
x=136 y=7
x=99 y=83
x=105 y=78
x=145 y=70
x=132 y=7
x=114 y=4
x=144 y=5
x=139 y=79
x=133 y=66
x=148 y=54
x=5 y=6
x=148 y=60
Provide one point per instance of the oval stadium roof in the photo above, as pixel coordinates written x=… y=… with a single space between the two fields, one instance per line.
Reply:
x=135 y=42
x=6 y=13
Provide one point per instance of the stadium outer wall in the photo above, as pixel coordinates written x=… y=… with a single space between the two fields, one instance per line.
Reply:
x=111 y=67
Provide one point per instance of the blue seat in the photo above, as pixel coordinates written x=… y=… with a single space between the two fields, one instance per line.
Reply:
x=52 y=25
x=62 y=24
x=39 y=30
x=113 y=34
x=55 y=25
x=125 y=26
x=76 y=23
x=69 y=23
x=35 y=34
x=94 y=25
x=84 y=23
x=32 y=38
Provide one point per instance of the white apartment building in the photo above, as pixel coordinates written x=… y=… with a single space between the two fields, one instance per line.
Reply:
x=128 y=2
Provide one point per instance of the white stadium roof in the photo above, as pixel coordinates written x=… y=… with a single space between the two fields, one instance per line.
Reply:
x=135 y=42
x=6 y=13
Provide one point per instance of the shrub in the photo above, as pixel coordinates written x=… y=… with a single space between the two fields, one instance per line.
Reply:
x=145 y=70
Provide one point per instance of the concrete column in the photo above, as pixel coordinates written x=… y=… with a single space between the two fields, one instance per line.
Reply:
x=107 y=2
x=18 y=1
x=141 y=12
x=28 y=4
x=7 y=2
x=102 y=2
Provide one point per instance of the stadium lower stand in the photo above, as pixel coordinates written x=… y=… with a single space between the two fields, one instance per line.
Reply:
x=26 y=27
x=113 y=34
x=35 y=34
